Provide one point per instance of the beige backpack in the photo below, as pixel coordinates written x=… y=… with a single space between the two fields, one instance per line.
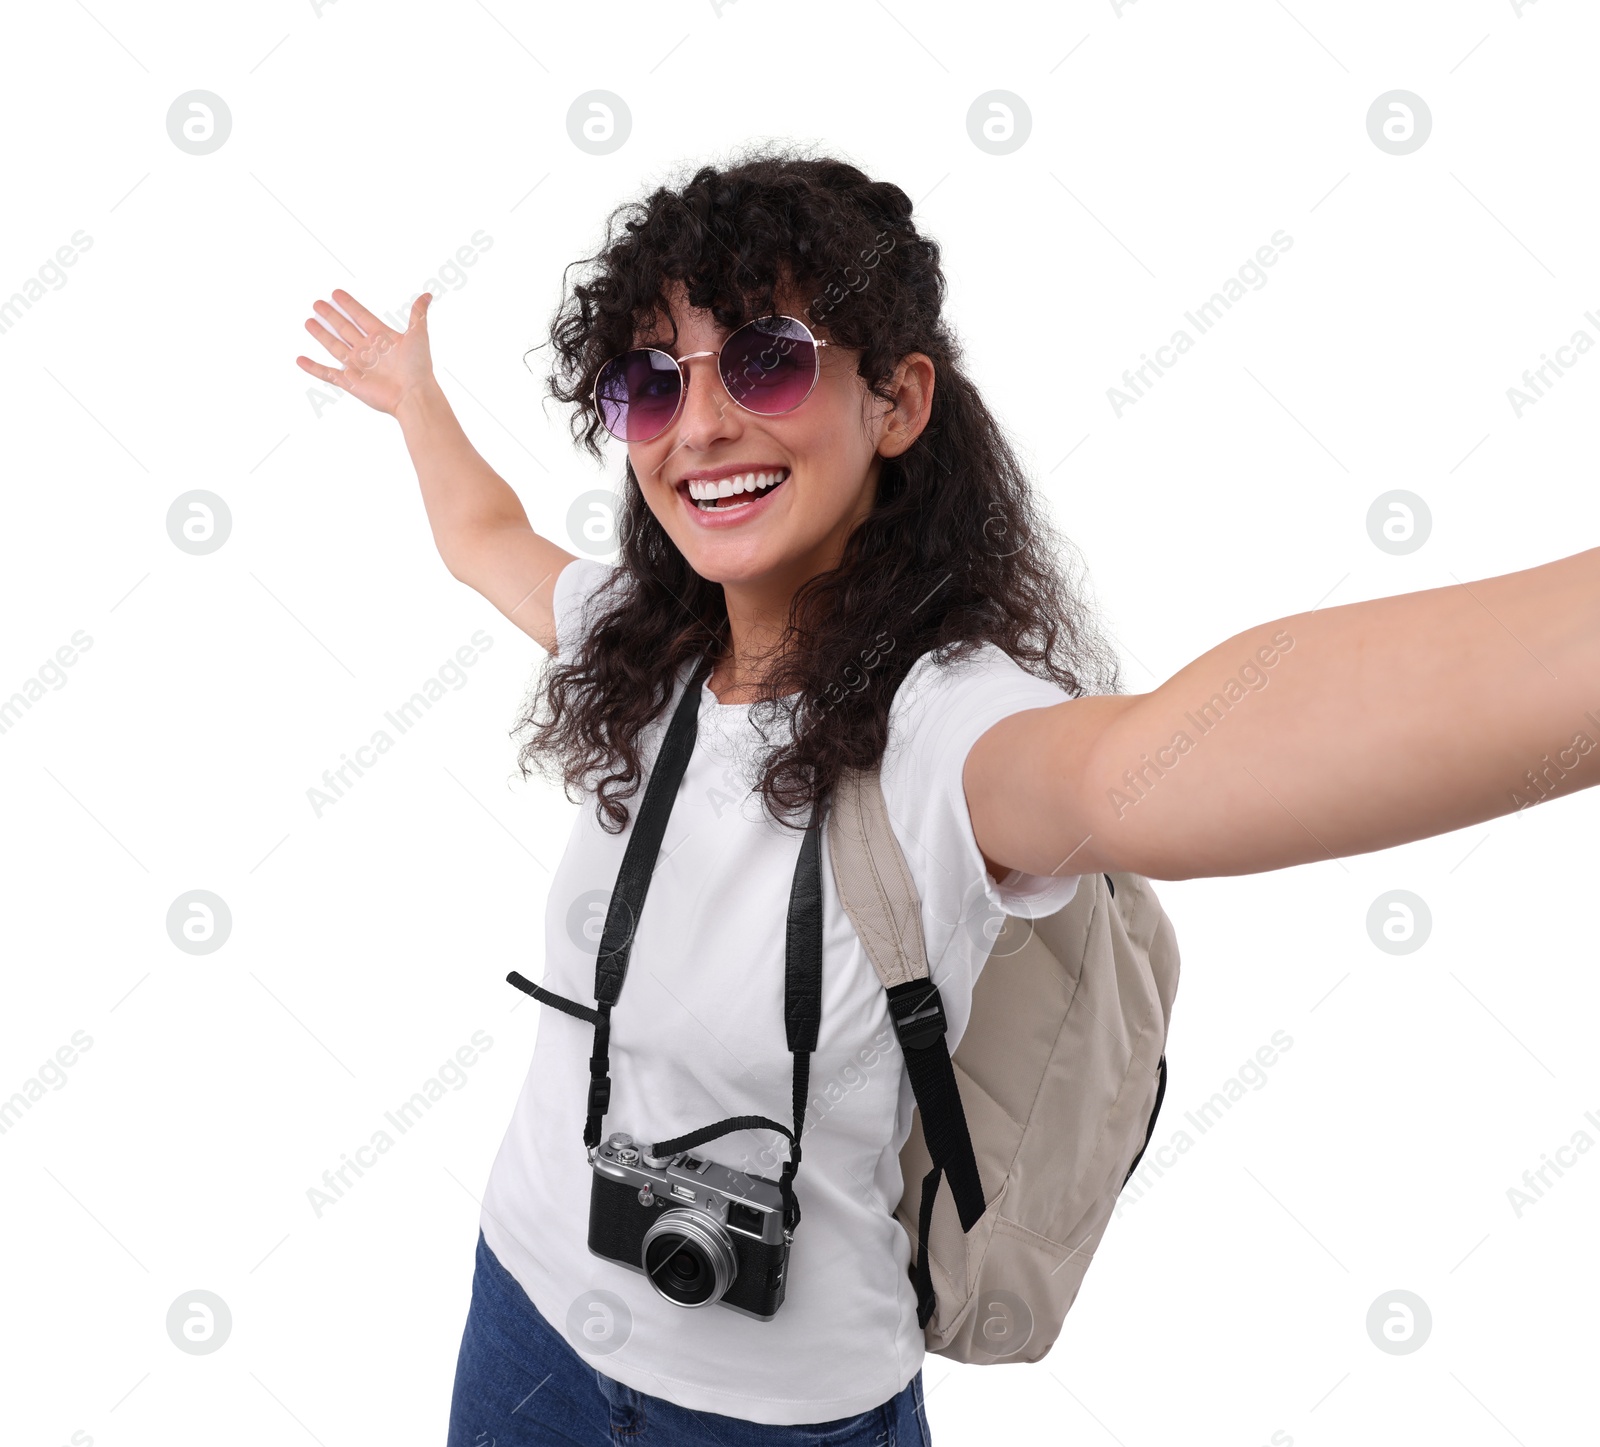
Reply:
x=1048 y=1103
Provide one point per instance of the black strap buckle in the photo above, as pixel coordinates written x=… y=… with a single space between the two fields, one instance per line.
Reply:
x=791 y=1205
x=599 y=1094
x=917 y=1013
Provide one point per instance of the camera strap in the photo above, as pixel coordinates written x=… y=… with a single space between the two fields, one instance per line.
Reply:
x=802 y=1003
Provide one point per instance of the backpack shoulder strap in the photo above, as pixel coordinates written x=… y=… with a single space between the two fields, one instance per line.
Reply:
x=877 y=891
x=874 y=881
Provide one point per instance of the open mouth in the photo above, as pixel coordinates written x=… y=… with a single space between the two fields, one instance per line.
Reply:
x=727 y=494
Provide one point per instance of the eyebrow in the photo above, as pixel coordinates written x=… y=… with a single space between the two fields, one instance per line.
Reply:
x=725 y=333
x=662 y=346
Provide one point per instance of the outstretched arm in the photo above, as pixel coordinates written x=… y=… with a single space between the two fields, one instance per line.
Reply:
x=1326 y=733
x=478 y=522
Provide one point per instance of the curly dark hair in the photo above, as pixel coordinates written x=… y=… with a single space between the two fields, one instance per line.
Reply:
x=953 y=554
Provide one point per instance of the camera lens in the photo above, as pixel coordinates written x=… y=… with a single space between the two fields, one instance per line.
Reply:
x=679 y=1268
x=689 y=1258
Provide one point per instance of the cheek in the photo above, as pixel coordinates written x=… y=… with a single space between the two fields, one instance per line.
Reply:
x=831 y=429
x=648 y=461
x=650 y=466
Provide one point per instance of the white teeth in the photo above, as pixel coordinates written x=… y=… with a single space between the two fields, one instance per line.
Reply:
x=701 y=491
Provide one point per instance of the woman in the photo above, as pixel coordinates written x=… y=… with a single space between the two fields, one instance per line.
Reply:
x=830 y=555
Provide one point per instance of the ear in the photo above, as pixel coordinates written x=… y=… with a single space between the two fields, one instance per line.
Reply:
x=902 y=423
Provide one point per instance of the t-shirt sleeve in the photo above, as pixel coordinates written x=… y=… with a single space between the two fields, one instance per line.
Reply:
x=576 y=586
x=939 y=713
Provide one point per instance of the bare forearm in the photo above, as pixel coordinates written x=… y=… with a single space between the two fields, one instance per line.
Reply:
x=463 y=495
x=1356 y=728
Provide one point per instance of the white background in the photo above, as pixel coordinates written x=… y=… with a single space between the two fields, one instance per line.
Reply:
x=1168 y=142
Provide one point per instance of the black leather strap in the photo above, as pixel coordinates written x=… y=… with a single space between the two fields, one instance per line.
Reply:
x=662 y=1149
x=644 y=842
x=802 y=991
x=919 y=1020
x=549 y=997
x=802 y=1000
x=802 y=976
x=919 y=1023
x=921 y=1276
x=633 y=882
x=802 y=1016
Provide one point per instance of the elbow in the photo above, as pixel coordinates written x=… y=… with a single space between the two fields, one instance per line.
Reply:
x=457 y=561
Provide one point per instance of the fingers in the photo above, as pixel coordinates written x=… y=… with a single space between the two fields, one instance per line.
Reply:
x=419 y=309
x=341 y=323
x=368 y=323
x=327 y=374
x=336 y=348
x=361 y=341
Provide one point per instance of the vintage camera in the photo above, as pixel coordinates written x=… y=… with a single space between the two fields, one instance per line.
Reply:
x=700 y=1232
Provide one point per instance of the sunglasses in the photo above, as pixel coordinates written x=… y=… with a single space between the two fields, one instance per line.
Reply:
x=768 y=367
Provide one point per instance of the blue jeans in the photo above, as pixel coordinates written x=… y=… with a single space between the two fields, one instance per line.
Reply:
x=519 y=1383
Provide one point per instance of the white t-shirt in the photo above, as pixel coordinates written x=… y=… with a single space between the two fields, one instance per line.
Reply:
x=698 y=1035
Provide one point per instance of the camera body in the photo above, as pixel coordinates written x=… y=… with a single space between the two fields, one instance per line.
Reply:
x=700 y=1232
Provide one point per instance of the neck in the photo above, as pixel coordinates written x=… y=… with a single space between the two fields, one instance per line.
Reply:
x=757 y=617
x=758 y=609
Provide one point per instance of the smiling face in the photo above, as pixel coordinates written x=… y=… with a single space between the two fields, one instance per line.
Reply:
x=803 y=478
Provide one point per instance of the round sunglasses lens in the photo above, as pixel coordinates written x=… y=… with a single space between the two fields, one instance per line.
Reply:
x=638 y=394
x=769 y=365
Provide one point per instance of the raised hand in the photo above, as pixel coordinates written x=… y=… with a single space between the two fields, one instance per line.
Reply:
x=380 y=365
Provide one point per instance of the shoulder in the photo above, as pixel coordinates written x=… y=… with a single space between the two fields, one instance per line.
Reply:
x=573 y=601
x=941 y=709
x=946 y=701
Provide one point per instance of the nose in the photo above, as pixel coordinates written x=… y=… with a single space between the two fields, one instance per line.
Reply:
x=709 y=414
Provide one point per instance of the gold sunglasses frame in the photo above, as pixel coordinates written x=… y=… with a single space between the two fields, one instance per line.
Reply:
x=683 y=374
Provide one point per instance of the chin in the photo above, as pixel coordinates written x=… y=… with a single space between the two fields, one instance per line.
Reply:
x=733 y=562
